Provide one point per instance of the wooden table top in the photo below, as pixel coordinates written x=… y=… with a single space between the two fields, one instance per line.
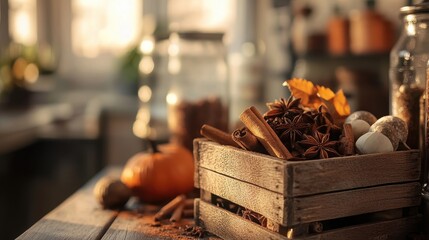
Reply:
x=82 y=217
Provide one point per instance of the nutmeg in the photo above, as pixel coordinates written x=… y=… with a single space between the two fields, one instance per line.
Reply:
x=361 y=115
x=373 y=142
x=111 y=193
x=392 y=127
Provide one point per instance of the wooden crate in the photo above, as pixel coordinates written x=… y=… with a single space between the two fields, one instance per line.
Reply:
x=292 y=194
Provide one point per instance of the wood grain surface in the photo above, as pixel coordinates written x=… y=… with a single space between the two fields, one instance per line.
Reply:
x=79 y=217
x=260 y=200
x=307 y=209
x=353 y=202
x=129 y=225
x=260 y=169
x=300 y=178
x=230 y=226
x=327 y=175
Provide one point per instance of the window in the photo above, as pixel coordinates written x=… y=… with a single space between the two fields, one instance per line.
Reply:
x=105 y=26
x=23 y=21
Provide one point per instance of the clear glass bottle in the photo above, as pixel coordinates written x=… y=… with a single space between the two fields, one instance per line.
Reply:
x=408 y=76
x=408 y=60
x=199 y=88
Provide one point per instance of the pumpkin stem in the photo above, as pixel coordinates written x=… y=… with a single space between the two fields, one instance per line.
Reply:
x=153 y=146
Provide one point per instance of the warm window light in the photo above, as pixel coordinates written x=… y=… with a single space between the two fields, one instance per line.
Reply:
x=105 y=26
x=147 y=45
x=171 y=98
x=145 y=93
x=31 y=73
x=141 y=126
x=173 y=48
x=211 y=15
x=23 y=21
x=146 y=65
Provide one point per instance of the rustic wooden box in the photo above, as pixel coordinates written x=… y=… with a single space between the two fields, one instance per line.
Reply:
x=295 y=193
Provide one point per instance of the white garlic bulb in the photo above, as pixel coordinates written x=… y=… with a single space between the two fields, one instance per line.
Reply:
x=359 y=127
x=361 y=115
x=374 y=142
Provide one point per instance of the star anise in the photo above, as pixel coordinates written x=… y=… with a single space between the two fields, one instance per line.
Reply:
x=253 y=216
x=291 y=130
x=323 y=119
x=319 y=146
x=283 y=107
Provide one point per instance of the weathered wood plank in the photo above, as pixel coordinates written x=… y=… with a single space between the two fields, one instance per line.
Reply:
x=79 y=217
x=197 y=157
x=138 y=222
x=300 y=178
x=354 y=202
x=262 y=170
x=398 y=229
x=293 y=211
x=129 y=225
x=327 y=175
x=230 y=226
x=260 y=200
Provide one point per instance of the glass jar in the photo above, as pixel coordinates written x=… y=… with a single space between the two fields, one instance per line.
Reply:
x=199 y=88
x=407 y=74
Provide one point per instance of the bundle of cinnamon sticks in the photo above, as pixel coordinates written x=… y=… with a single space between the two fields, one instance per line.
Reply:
x=256 y=136
x=178 y=208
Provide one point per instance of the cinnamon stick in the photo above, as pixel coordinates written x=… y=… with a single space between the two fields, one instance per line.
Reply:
x=246 y=140
x=169 y=207
x=256 y=124
x=189 y=203
x=177 y=214
x=217 y=135
x=187 y=213
x=347 y=141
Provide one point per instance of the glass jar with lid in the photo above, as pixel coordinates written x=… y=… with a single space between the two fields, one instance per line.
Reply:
x=199 y=88
x=407 y=74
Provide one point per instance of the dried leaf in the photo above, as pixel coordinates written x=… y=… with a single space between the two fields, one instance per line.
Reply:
x=301 y=88
x=330 y=107
x=325 y=93
x=340 y=103
x=313 y=96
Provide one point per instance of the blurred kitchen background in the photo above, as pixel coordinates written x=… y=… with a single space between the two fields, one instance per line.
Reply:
x=84 y=82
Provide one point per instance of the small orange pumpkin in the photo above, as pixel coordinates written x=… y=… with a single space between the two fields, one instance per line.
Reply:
x=160 y=175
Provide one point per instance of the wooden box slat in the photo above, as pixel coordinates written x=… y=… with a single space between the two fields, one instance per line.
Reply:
x=296 y=192
x=300 y=178
x=228 y=160
x=261 y=200
x=230 y=226
x=293 y=211
x=326 y=175
x=354 y=202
